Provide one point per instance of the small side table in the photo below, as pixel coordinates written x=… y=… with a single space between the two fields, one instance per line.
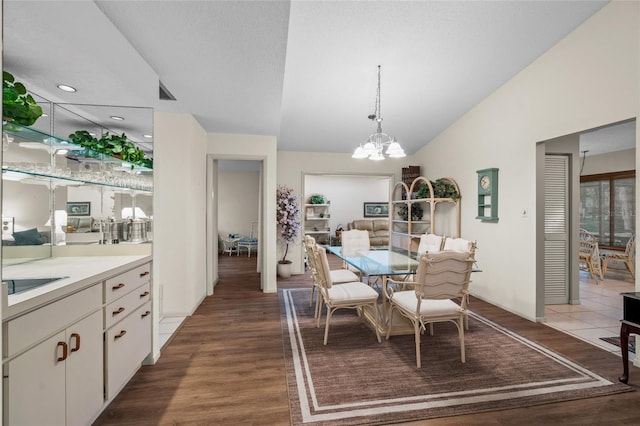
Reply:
x=335 y=240
x=629 y=324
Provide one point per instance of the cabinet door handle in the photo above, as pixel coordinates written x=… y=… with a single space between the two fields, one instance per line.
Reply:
x=119 y=311
x=119 y=335
x=117 y=287
x=77 y=346
x=64 y=351
x=146 y=314
x=144 y=274
x=146 y=293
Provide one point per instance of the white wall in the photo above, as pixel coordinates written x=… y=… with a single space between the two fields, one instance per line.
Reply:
x=617 y=161
x=238 y=202
x=589 y=79
x=179 y=219
x=347 y=195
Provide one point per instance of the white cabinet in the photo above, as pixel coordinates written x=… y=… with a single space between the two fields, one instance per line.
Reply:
x=59 y=381
x=127 y=323
x=65 y=359
x=316 y=222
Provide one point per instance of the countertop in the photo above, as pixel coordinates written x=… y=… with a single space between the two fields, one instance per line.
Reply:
x=81 y=272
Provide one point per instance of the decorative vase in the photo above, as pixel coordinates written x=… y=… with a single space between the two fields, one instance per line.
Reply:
x=284 y=269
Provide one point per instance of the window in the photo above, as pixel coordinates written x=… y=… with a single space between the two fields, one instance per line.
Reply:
x=607 y=207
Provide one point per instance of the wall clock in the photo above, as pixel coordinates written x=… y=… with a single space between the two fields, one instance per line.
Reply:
x=488 y=194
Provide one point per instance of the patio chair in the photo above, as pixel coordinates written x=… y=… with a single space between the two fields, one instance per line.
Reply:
x=589 y=255
x=627 y=258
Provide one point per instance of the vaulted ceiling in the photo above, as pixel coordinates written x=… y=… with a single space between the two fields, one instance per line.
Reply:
x=304 y=71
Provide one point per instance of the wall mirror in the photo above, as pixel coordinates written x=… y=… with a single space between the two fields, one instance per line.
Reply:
x=59 y=191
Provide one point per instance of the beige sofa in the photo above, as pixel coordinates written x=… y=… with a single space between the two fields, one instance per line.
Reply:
x=378 y=230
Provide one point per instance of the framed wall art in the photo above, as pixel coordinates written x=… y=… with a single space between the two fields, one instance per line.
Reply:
x=82 y=208
x=376 y=209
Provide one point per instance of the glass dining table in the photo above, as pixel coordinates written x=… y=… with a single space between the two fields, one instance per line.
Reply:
x=377 y=266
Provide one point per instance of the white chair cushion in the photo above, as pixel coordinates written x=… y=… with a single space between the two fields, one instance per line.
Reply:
x=342 y=276
x=430 y=307
x=457 y=244
x=429 y=243
x=353 y=292
x=355 y=243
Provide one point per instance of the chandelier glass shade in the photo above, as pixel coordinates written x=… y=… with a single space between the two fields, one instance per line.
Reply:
x=374 y=147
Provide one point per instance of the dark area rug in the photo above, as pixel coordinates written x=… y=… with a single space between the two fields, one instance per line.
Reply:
x=356 y=380
x=615 y=340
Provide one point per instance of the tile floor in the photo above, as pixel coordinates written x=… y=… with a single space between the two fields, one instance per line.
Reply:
x=599 y=313
x=168 y=326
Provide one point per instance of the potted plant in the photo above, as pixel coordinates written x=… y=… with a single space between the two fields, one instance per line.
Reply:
x=317 y=199
x=18 y=106
x=288 y=218
x=416 y=212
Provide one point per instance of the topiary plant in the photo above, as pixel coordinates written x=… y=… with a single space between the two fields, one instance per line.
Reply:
x=18 y=105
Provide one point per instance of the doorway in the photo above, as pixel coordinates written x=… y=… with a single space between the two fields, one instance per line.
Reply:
x=233 y=210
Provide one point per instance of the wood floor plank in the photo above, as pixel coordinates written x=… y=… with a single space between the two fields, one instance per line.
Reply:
x=225 y=366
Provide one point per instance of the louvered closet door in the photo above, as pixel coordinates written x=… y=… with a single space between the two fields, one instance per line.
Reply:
x=556 y=229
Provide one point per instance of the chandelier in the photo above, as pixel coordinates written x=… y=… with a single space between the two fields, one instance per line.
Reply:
x=376 y=142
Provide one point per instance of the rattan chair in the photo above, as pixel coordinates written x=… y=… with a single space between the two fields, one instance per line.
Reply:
x=441 y=278
x=353 y=295
x=589 y=255
x=628 y=258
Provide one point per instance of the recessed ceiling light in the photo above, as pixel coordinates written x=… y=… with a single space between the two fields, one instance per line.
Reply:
x=147 y=136
x=117 y=117
x=44 y=115
x=66 y=88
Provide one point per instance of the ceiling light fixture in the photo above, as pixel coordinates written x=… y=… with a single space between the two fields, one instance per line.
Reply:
x=67 y=88
x=377 y=141
x=147 y=136
x=117 y=117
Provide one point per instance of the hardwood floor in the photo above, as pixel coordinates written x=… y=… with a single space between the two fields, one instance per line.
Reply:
x=225 y=366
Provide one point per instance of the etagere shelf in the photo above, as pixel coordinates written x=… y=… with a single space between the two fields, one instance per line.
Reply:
x=407 y=224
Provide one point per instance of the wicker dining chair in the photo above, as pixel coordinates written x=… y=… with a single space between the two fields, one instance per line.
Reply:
x=337 y=276
x=352 y=295
x=441 y=279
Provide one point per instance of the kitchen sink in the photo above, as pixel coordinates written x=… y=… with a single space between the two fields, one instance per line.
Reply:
x=23 y=284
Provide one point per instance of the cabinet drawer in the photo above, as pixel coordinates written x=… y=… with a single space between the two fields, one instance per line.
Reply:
x=126 y=346
x=119 y=309
x=122 y=284
x=30 y=328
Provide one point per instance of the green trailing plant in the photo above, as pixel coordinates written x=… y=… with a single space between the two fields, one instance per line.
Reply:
x=442 y=188
x=317 y=199
x=112 y=145
x=18 y=105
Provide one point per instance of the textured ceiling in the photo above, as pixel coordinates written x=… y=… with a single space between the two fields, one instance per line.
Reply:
x=304 y=71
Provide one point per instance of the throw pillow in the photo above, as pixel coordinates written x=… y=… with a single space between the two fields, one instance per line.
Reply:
x=30 y=237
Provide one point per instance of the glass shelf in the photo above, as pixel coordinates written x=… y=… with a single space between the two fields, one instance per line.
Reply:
x=30 y=153
x=52 y=144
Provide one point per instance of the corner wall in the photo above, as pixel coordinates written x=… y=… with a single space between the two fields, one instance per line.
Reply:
x=179 y=268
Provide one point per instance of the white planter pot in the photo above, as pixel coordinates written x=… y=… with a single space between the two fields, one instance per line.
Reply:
x=284 y=270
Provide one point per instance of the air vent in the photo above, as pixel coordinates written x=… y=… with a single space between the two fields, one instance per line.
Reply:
x=165 y=95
